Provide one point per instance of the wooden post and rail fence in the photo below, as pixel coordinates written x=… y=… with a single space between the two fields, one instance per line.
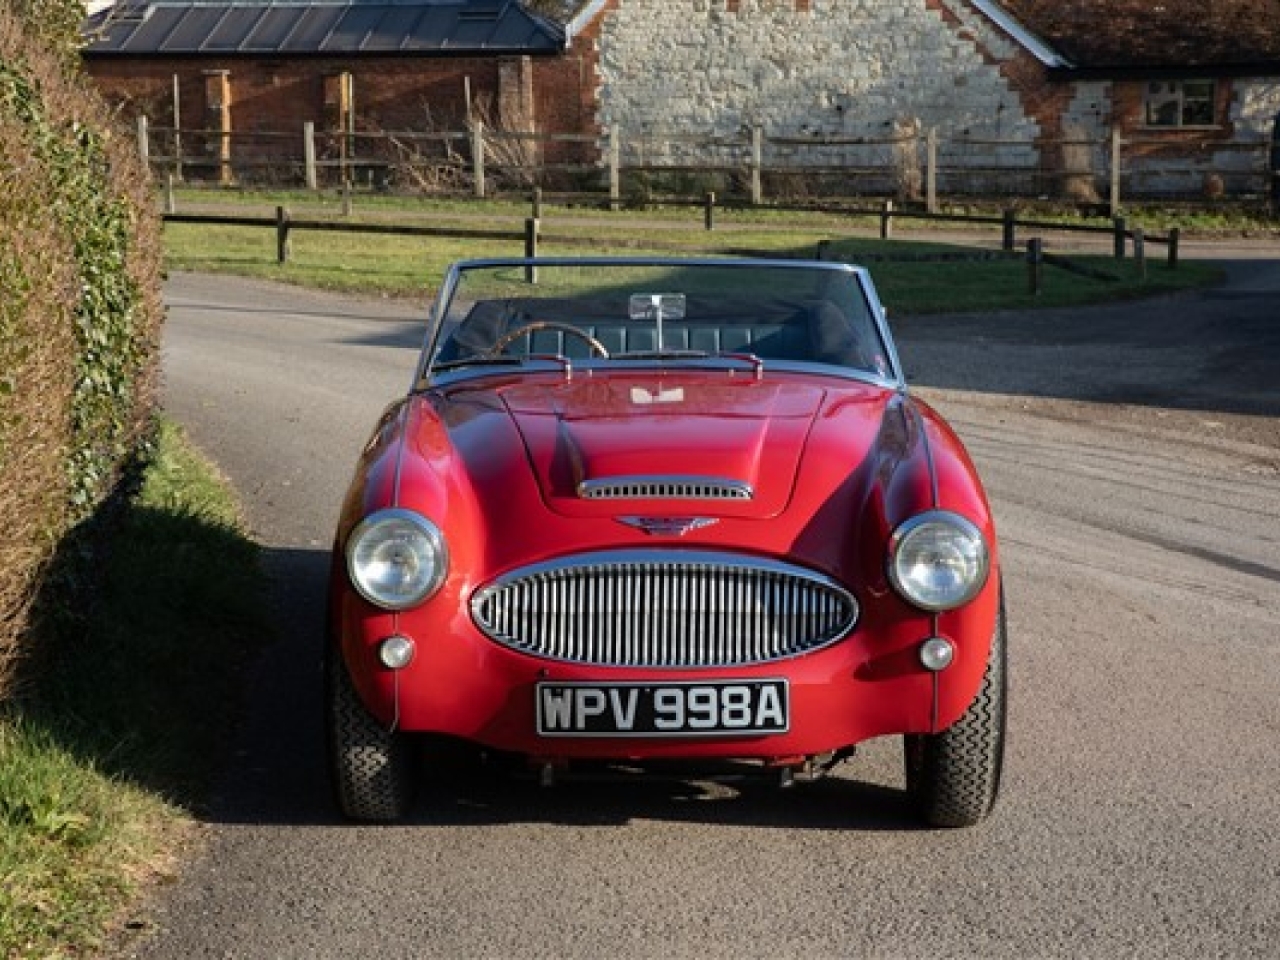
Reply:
x=482 y=161
x=531 y=235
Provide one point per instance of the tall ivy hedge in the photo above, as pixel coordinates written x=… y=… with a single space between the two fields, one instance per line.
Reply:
x=80 y=311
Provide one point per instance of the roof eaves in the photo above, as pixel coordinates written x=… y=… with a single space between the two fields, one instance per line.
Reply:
x=1158 y=71
x=582 y=19
x=1037 y=47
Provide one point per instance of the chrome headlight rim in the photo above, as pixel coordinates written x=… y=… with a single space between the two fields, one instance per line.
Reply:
x=430 y=548
x=967 y=531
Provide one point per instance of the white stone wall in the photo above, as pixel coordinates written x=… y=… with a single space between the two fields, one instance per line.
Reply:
x=1255 y=107
x=844 y=69
x=1255 y=110
x=1090 y=109
x=1086 y=131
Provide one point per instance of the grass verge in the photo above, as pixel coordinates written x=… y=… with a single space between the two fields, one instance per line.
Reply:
x=112 y=743
x=409 y=266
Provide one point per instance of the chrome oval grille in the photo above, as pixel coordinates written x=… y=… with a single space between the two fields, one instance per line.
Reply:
x=664 y=488
x=669 y=609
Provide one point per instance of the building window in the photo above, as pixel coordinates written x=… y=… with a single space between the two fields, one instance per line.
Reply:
x=1179 y=103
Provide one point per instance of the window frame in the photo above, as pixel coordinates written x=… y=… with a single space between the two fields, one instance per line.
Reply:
x=1165 y=92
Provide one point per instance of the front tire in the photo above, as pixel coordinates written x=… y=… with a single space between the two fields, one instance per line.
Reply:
x=372 y=768
x=954 y=776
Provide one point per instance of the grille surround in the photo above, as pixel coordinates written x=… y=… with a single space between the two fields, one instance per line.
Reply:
x=665 y=610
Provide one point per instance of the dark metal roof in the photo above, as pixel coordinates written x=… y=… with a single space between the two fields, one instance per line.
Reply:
x=142 y=28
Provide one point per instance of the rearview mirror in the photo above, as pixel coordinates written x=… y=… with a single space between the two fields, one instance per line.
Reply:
x=657 y=306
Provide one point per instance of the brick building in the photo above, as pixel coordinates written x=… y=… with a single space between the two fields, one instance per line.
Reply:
x=1189 y=85
x=243 y=77
x=1030 y=85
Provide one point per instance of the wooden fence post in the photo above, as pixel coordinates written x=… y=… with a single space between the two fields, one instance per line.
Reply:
x=615 y=169
x=477 y=158
x=170 y=201
x=1010 y=227
x=757 y=162
x=1140 y=252
x=309 y=154
x=709 y=210
x=931 y=171
x=1120 y=230
x=1175 y=235
x=177 y=127
x=282 y=235
x=144 y=142
x=1114 y=199
x=1035 y=261
x=886 y=220
x=531 y=249
x=537 y=203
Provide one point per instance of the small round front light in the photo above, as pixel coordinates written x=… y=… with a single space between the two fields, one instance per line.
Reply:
x=938 y=561
x=396 y=559
x=936 y=654
x=396 y=653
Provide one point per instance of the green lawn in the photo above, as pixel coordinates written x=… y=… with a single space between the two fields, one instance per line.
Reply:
x=116 y=734
x=410 y=266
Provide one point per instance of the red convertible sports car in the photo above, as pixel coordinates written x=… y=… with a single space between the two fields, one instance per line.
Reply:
x=645 y=510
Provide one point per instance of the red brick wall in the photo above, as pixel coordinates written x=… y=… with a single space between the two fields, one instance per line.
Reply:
x=390 y=94
x=566 y=93
x=281 y=95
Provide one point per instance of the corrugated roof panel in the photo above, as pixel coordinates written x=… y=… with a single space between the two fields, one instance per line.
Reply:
x=273 y=29
x=232 y=32
x=476 y=33
x=150 y=34
x=192 y=29
x=433 y=28
x=395 y=27
x=513 y=33
x=353 y=29
x=327 y=27
x=314 y=26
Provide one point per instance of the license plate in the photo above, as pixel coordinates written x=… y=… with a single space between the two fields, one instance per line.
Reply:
x=662 y=709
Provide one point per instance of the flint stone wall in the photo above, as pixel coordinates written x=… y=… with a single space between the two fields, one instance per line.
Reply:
x=824 y=69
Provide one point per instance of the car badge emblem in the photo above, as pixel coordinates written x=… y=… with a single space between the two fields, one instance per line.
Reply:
x=668 y=526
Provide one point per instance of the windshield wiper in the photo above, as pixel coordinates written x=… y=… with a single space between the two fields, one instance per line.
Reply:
x=480 y=360
x=506 y=360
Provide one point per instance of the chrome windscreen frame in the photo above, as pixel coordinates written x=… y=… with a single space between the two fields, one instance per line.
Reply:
x=437 y=315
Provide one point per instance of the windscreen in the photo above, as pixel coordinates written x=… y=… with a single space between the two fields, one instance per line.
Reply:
x=611 y=311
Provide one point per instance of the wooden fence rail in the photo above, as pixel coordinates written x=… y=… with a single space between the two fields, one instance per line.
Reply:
x=531 y=236
x=922 y=166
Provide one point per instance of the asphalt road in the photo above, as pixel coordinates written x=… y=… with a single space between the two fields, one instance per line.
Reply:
x=1133 y=458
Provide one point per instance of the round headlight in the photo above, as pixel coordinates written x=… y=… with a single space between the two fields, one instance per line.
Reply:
x=938 y=561
x=396 y=559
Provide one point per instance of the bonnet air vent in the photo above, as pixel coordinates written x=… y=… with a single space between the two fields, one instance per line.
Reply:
x=664 y=488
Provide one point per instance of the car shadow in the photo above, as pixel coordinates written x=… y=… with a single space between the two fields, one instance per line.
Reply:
x=748 y=798
x=277 y=771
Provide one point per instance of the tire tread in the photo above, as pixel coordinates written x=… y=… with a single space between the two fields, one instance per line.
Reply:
x=371 y=766
x=955 y=774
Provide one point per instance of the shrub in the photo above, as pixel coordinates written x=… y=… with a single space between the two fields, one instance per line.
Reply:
x=80 y=315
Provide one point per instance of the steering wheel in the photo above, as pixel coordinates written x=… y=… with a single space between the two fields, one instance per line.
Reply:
x=511 y=336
